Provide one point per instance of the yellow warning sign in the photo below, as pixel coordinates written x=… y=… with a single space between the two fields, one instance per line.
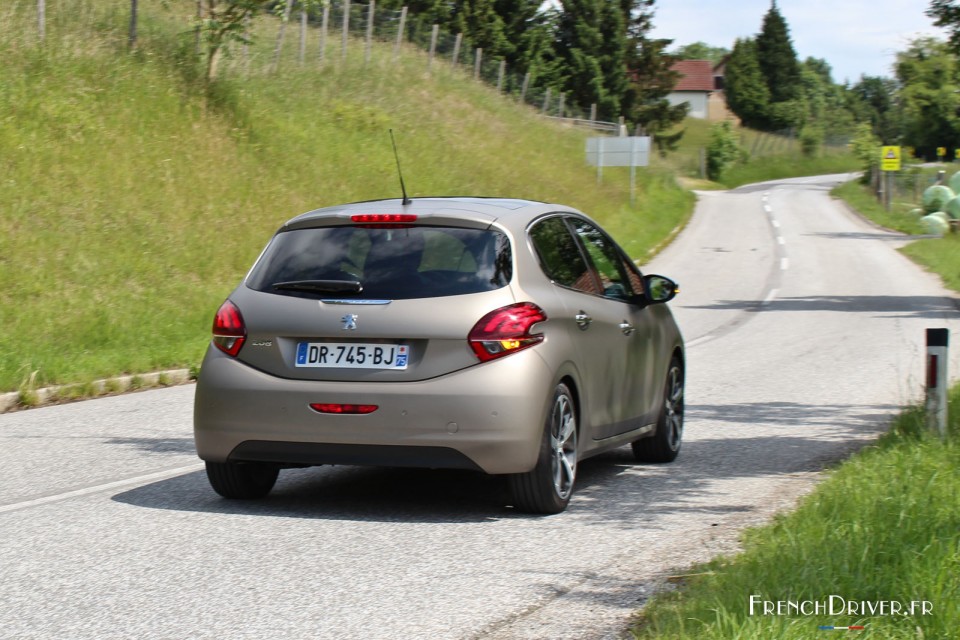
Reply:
x=890 y=159
x=941 y=152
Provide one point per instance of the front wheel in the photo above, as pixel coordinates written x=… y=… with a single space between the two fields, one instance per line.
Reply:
x=242 y=480
x=548 y=487
x=665 y=443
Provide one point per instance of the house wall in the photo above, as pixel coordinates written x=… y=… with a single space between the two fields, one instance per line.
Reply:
x=696 y=99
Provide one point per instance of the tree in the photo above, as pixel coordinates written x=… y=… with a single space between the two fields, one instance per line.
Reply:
x=221 y=22
x=591 y=48
x=874 y=101
x=481 y=26
x=946 y=14
x=652 y=78
x=827 y=103
x=781 y=72
x=776 y=57
x=745 y=88
x=929 y=95
x=701 y=51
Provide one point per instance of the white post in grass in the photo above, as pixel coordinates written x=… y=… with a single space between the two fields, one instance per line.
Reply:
x=936 y=405
x=500 y=74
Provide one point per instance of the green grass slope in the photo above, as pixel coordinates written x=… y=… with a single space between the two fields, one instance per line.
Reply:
x=132 y=200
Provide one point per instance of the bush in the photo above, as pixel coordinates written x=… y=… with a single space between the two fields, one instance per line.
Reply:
x=811 y=139
x=722 y=150
x=866 y=147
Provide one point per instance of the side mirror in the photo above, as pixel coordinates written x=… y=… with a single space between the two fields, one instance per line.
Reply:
x=660 y=289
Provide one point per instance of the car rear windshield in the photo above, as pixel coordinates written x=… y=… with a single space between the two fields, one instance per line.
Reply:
x=384 y=262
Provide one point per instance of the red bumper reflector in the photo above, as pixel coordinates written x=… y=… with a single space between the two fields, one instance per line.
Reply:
x=354 y=409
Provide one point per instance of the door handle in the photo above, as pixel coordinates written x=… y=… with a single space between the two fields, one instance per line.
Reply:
x=583 y=320
x=626 y=327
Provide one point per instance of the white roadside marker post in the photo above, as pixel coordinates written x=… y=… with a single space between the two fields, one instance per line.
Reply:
x=936 y=405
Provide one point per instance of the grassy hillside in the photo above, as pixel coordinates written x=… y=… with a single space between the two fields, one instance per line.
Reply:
x=132 y=199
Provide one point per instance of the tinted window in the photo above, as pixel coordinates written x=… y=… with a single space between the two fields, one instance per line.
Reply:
x=606 y=259
x=389 y=262
x=560 y=257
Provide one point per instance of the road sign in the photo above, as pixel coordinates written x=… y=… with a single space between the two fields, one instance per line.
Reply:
x=890 y=159
x=618 y=152
x=941 y=152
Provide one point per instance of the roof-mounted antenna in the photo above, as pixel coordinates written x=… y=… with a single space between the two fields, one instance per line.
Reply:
x=403 y=189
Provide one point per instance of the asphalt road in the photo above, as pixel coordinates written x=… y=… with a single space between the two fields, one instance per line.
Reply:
x=805 y=333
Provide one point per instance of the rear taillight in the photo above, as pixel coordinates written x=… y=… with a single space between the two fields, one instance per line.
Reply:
x=352 y=409
x=505 y=331
x=229 y=332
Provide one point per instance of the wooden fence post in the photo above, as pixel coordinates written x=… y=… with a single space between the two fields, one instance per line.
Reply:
x=526 y=85
x=283 y=26
x=500 y=74
x=433 y=45
x=346 y=31
x=302 y=56
x=370 y=13
x=456 y=48
x=132 y=38
x=324 y=25
x=403 y=23
x=476 y=64
x=546 y=100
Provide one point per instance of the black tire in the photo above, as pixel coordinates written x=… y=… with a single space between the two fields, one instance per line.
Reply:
x=547 y=488
x=664 y=445
x=242 y=480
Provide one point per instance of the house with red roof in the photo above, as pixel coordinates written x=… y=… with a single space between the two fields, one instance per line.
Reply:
x=701 y=86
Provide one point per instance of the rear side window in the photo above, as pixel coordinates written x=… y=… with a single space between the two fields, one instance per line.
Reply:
x=391 y=263
x=560 y=257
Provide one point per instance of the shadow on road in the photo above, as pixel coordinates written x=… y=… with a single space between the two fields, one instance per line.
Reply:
x=611 y=488
x=934 y=307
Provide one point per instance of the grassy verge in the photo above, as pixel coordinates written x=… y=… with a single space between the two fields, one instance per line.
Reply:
x=884 y=527
x=939 y=255
x=861 y=198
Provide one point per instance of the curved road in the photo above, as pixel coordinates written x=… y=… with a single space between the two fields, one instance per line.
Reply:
x=805 y=334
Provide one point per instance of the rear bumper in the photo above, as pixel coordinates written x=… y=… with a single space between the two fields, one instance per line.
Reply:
x=488 y=417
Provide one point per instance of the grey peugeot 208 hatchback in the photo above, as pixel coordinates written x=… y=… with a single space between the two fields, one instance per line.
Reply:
x=506 y=336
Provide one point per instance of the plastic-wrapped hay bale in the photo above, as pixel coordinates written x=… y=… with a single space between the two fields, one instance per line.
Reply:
x=943 y=216
x=934 y=224
x=935 y=198
x=953 y=208
x=954 y=182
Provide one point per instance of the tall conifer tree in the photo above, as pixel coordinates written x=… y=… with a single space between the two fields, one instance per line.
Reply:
x=777 y=58
x=745 y=88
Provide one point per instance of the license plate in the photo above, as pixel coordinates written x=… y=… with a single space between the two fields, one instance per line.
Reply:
x=352 y=355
